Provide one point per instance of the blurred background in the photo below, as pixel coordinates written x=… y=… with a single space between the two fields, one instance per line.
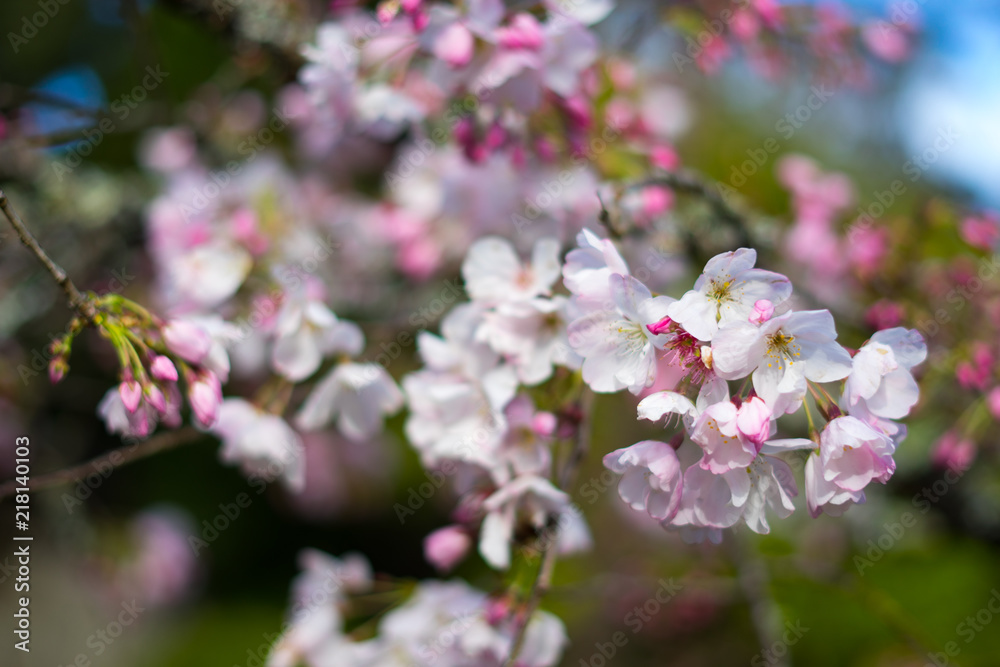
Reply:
x=86 y=94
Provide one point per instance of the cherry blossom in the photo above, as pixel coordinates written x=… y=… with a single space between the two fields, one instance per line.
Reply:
x=881 y=373
x=528 y=498
x=853 y=454
x=357 y=396
x=617 y=347
x=262 y=444
x=727 y=291
x=494 y=274
x=307 y=331
x=651 y=477
x=783 y=353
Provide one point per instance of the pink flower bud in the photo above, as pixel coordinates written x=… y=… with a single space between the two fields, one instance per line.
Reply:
x=410 y=6
x=762 y=311
x=544 y=423
x=885 y=314
x=664 y=157
x=57 y=369
x=496 y=136
x=993 y=401
x=163 y=369
x=140 y=424
x=953 y=452
x=205 y=396
x=660 y=327
x=155 y=398
x=981 y=232
x=753 y=420
x=497 y=610
x=420 y=20
x=524 y=32
x=386 y=12
x=455 y=45
x=446 y=547
x=578 y=112
x=187 y=341
x=656 y=200
x=131 y=394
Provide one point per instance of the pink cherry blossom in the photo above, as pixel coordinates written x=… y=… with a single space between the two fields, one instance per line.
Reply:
x=652 y=480
x=853 y=454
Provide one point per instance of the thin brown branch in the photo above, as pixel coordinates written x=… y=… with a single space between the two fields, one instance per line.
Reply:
x=76 y=300
x=113 y=459
x=690 y=183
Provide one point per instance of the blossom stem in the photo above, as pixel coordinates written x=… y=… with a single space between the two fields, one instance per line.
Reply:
x=543 y=577
x=117 y=457
x=77 y=300
x=809 y=418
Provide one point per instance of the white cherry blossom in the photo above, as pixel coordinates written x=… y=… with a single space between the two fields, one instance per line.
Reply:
x=727 y=291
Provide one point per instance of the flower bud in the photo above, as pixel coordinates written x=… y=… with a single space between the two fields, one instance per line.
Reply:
x=762 y=311
x=57 y=369
x=446 y=547
x=131 y=394
x=163 y=369
x=187 y=341
x=205 y=396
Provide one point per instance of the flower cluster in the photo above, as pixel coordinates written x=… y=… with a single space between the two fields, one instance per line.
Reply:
x=441 y=623
x=154 y=356
x=470 y=408
x=737 y=325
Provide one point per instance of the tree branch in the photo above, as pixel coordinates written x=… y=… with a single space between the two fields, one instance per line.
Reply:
x=114 y=459
x=690 y=183
x=687 y=182
x=76 y=300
